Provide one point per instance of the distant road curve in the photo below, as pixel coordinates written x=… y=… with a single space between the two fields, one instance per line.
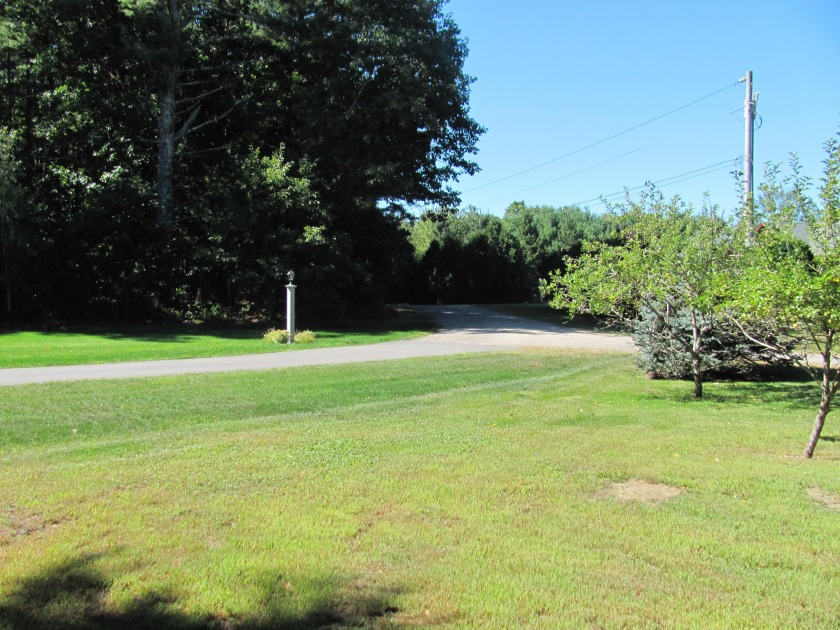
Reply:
x=464 y=329
x=473 y=325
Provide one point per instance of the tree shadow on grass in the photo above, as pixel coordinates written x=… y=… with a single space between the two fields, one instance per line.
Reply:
x=182 y=333
x=792 y=388
x=793 y=396
x=73 y=596
x=174 y=333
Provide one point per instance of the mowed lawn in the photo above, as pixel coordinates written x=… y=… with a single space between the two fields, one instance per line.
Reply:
x=28 y=348
x=464 y=492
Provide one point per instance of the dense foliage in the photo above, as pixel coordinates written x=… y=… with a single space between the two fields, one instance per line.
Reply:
x=790 y=272
x=726 y=351
x=706 y=295
x=179 y=156
x=667 y=264
x=548 y=236
x=468 y=256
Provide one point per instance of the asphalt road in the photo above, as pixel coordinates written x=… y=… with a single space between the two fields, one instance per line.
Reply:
x=464 y=329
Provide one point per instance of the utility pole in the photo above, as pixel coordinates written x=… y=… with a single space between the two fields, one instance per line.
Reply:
x=749 y=125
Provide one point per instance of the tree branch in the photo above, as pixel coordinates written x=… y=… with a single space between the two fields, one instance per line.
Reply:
x=185 y=129
x=356 y=100
x=199 y=152
x=199 y=97
x=190 y=83
x=801 y=359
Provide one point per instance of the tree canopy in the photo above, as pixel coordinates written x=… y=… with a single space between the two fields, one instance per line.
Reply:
x=666 y=264
x=179 y=156
x=468 y=256
x=772 y=276
x=790 y=273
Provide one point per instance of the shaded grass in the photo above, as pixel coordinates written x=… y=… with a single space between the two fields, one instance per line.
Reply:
x=456 y=491
x=84 y=345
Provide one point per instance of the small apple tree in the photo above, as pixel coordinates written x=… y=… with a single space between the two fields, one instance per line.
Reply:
x=790 y=273
x=668 y=265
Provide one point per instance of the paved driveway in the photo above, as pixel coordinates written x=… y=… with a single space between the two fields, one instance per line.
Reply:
x=477 y=326
x=464 y=329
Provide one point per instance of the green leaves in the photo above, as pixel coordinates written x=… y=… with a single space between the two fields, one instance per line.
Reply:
x=668 y=261
x=792 y=273
x=243 y=122
x=775 y=275
x=668 y=258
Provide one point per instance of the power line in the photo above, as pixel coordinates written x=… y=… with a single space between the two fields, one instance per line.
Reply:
x=594 y=144
x=668 y=181
x=588 y=168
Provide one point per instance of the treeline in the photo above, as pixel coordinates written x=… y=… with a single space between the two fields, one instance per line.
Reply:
x=469 y=257
x=178 y=157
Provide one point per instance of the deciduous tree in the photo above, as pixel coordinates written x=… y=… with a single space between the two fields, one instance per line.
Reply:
x=790 y=273
x=668 y=264
x=133 y=117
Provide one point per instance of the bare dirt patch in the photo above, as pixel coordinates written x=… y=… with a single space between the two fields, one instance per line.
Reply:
x=830 y=500
x=640 y=490
x=14 y=524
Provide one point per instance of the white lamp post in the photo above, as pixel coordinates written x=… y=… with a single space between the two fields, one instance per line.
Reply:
x=290 y=306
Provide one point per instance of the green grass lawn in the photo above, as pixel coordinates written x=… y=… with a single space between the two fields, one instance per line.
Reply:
x=462 y=492
x=145 y=343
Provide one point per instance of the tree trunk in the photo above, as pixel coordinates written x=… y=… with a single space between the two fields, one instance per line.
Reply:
x=698 y=377
x=696 y=358
x=166 y=152
x=825 y=407
x=170 y=21
x=8 y=283
x=829 y=389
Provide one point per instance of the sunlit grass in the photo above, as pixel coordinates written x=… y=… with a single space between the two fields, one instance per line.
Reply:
x=456 y=492
x=110 y=345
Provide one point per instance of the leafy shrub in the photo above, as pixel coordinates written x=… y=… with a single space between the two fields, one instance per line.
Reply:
x=663 y=347
x=276 y=336
x=304 y=336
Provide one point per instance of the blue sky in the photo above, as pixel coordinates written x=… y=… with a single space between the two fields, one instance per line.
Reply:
x=553 y=77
